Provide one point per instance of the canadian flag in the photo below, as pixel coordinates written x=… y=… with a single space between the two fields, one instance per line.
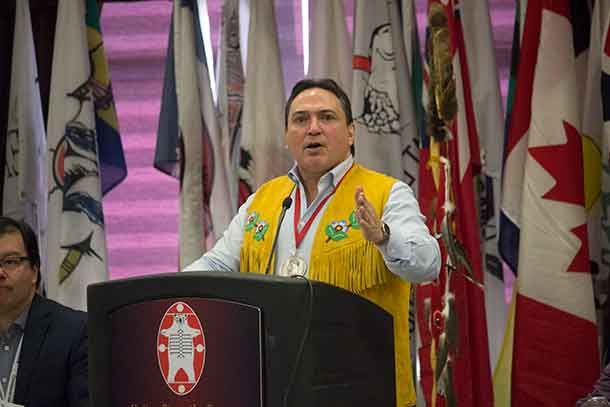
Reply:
x=555 y=351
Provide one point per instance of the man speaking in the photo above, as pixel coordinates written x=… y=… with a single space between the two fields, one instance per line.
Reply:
x=345 y=225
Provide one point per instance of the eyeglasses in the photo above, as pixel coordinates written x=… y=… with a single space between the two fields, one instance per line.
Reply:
x=12 y=263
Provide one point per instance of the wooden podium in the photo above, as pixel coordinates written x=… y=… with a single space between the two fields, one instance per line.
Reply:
x=211 y=339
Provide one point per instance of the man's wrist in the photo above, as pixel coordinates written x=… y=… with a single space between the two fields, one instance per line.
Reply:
x=385 y=234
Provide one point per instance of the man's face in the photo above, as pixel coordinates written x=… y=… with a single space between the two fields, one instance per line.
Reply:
x=318 y=135
x=17 y=282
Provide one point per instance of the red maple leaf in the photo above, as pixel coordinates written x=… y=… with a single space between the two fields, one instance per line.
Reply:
x=565 y=163
x=580 y=263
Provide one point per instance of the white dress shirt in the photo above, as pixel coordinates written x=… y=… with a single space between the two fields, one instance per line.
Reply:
x=411 y=252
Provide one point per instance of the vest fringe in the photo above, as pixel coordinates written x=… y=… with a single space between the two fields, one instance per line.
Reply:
x=250 y=262
x=355 y=268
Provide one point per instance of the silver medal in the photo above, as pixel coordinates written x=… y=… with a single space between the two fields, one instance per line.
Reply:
x=294 y=266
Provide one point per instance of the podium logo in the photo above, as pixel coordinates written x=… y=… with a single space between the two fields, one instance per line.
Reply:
x=181 y=348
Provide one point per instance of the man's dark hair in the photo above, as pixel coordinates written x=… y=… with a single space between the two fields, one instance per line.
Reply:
x=30 y=241
x=322 y=83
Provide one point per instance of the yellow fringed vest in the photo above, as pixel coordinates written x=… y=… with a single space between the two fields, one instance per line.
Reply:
x=340 y=256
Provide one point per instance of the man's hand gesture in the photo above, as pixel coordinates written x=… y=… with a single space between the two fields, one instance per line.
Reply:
x=370 y=224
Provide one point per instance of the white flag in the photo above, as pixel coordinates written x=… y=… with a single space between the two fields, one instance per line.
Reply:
x=381 y=96
x=204 y=189
x=487 y=105
x=231 y=80
x=410 y=33
x=329 y=43
x=262 y=137
x=76 y=235
x=25 y=170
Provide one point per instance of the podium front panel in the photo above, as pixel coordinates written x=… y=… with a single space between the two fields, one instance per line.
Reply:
x=186 y=351
x=321 y=346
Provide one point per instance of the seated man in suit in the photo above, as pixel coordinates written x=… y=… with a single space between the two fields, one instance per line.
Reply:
x=43 y=345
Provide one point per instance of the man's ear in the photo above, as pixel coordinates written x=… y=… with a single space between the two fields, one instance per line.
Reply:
x=351 y=131
x=37 y=276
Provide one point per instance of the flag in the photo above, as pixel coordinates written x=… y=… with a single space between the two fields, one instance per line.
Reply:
x=76 y=236
x=605 y=158
x=509 y=218
x=597 y=180
x=513 y=157
x=554 y=346
x=262 y=133
x=168 y=135
x=382 y=101
x=112 y=160
x=510 y=214
x=231 y=101
x=415 y=69
x=329 y=43
x=24 y=193
x=451 y=311
x=204 y=214
x=487 y=103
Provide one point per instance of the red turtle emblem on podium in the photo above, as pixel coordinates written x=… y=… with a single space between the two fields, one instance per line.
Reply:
x=181 y=348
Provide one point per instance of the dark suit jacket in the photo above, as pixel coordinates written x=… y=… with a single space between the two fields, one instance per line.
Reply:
x=53 y=360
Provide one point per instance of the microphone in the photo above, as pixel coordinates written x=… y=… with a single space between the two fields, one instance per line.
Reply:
x=285 y=206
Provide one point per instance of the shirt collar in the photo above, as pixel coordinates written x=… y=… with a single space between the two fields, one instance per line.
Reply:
x=23 y=317
x=18 y=326
x=335 y=173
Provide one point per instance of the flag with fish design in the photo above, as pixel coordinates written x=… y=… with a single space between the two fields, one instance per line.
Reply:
x=76 y=234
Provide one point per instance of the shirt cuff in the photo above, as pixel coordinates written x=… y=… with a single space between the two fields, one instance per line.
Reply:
x=397 y=249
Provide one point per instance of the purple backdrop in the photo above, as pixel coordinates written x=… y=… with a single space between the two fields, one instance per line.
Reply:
x=141 y=213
